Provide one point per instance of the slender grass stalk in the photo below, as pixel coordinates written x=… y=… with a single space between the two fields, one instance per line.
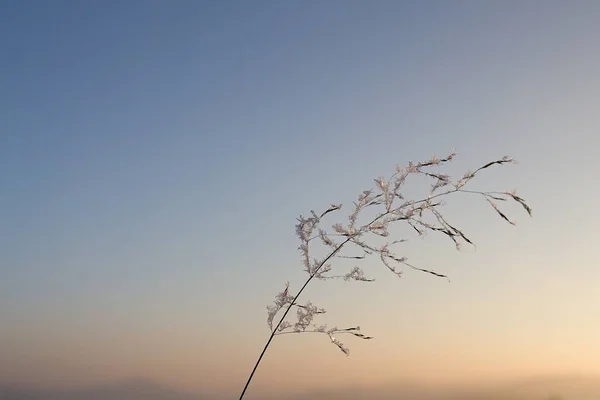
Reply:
x=411 y=212
x=283 y=318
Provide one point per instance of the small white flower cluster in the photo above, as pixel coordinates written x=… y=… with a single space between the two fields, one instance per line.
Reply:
x=422 y=215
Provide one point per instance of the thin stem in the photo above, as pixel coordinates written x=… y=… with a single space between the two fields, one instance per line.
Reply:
x=482 y=193
x=334 y=252
x=341 y=332
x=310 y=278
x=288 y=332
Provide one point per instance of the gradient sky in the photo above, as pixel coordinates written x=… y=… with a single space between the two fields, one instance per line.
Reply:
x=154 y=156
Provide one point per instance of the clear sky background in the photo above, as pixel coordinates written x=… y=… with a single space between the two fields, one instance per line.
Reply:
x=154 y=156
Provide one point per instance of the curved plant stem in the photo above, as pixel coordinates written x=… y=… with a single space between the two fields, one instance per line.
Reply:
x=351 y=236
x=334 y=252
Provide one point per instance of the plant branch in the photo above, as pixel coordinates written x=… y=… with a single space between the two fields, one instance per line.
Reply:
x=310 y=278
x=414 y=213
x=273 y=333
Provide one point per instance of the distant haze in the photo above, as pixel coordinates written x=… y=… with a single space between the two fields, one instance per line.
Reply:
x=551 y=388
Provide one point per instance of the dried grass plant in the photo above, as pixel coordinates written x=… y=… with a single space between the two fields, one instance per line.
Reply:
x=358 y=241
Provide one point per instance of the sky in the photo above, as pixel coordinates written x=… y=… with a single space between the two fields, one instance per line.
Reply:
x=154 y=157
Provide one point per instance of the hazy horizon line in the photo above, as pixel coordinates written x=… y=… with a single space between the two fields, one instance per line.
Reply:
x=142 y=388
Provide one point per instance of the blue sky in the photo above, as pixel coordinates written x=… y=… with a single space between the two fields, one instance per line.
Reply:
x=154 y=157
